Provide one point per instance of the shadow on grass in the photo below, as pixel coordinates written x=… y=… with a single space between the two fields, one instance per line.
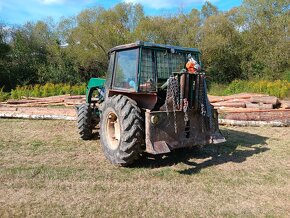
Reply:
x=239 y=146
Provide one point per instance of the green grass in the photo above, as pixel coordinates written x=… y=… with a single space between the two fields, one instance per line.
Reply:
x=46 y=170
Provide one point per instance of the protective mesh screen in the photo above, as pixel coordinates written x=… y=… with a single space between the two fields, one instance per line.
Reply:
x=168 y=63
x=160 y=62
x=178 y=61
x=148 y=72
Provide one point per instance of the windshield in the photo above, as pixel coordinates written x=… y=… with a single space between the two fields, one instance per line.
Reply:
x=126 y=69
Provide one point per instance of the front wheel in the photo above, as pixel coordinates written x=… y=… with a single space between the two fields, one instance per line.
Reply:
x=122 y=130
x=84 y=120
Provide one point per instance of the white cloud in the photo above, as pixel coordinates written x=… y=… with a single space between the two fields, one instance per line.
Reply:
x=159 y=4
x=50 y=2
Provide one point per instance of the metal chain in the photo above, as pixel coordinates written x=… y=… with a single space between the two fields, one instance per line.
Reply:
x=172 y=91
x=185 y=108
x=205 y=108
x=207 y=104
x=201 y=103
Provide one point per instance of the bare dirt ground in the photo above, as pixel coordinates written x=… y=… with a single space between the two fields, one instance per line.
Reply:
x=46 y=170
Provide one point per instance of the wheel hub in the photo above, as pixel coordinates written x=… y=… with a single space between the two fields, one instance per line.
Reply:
x=113 y=130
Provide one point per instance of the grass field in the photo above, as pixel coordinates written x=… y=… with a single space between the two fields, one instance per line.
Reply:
x=46 y=170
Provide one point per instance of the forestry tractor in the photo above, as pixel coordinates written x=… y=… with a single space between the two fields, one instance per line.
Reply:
x=154 y=99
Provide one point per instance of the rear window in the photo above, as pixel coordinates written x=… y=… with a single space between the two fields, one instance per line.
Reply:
x=148 y=71
x=158 y=65
x=168 y=63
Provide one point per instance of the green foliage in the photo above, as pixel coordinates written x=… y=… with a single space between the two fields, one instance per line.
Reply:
x=4 y=95
x=49 y=89
x=216 y=89
x=208 y=10
x=286 y=76
x=278 y=88
x=245 y=43
x=220 y=45
x=266 y=38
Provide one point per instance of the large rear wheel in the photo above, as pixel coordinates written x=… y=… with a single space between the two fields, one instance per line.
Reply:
x=122 y=130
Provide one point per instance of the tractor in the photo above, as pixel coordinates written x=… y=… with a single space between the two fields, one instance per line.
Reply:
x=149 y=102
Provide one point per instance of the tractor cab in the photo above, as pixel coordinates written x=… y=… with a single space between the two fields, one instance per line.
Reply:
x=151 y=101
x=142 y=68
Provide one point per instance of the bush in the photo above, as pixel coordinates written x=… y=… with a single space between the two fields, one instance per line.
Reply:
x=49 y=89
x=4 y=95
x=278 y=88
x=216 y=88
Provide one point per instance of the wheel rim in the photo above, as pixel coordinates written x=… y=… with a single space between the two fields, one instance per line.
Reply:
x=113 y=130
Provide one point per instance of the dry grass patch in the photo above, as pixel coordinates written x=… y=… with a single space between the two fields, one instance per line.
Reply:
x=46 y=170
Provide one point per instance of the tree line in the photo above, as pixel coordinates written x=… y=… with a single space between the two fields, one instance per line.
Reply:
x=247 y=42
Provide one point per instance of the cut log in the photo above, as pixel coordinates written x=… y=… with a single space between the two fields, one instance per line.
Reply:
x=265 y=99
x=282 y=115
x=20 y=101
x=259 y=106
x=37 y=116
x=43 y=110
x=76 y=97
x=42 y=101
x=32 y=105
x=253 y=123
x=71 y=100
x=74 y=101
x=8 y=109
x=242 y=110
x=229 y=104
x=285 y=104
x=244 y=100
x=214 y=99
x=40 y=113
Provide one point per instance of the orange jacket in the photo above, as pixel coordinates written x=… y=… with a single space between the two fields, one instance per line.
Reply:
x=190 y=67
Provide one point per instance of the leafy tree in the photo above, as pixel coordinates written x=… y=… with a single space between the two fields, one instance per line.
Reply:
x=251 y=41
x=208 y=10
x=266 y=36
x=158 y=30
x=220 y=45
x=96 y=31
x=4 y=58
x=188 y=29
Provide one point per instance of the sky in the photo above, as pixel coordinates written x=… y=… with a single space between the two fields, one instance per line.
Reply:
x=18 y=12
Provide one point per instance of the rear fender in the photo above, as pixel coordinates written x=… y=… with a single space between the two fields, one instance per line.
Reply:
x=93 y=85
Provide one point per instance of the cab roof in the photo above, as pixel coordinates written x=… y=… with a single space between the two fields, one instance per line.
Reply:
x=139 y=44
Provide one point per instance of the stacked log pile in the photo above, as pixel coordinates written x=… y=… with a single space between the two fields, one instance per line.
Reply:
x=54 y=107
x=61 y=100
x=239 y=109
x=42 y=113
x=252 y=108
